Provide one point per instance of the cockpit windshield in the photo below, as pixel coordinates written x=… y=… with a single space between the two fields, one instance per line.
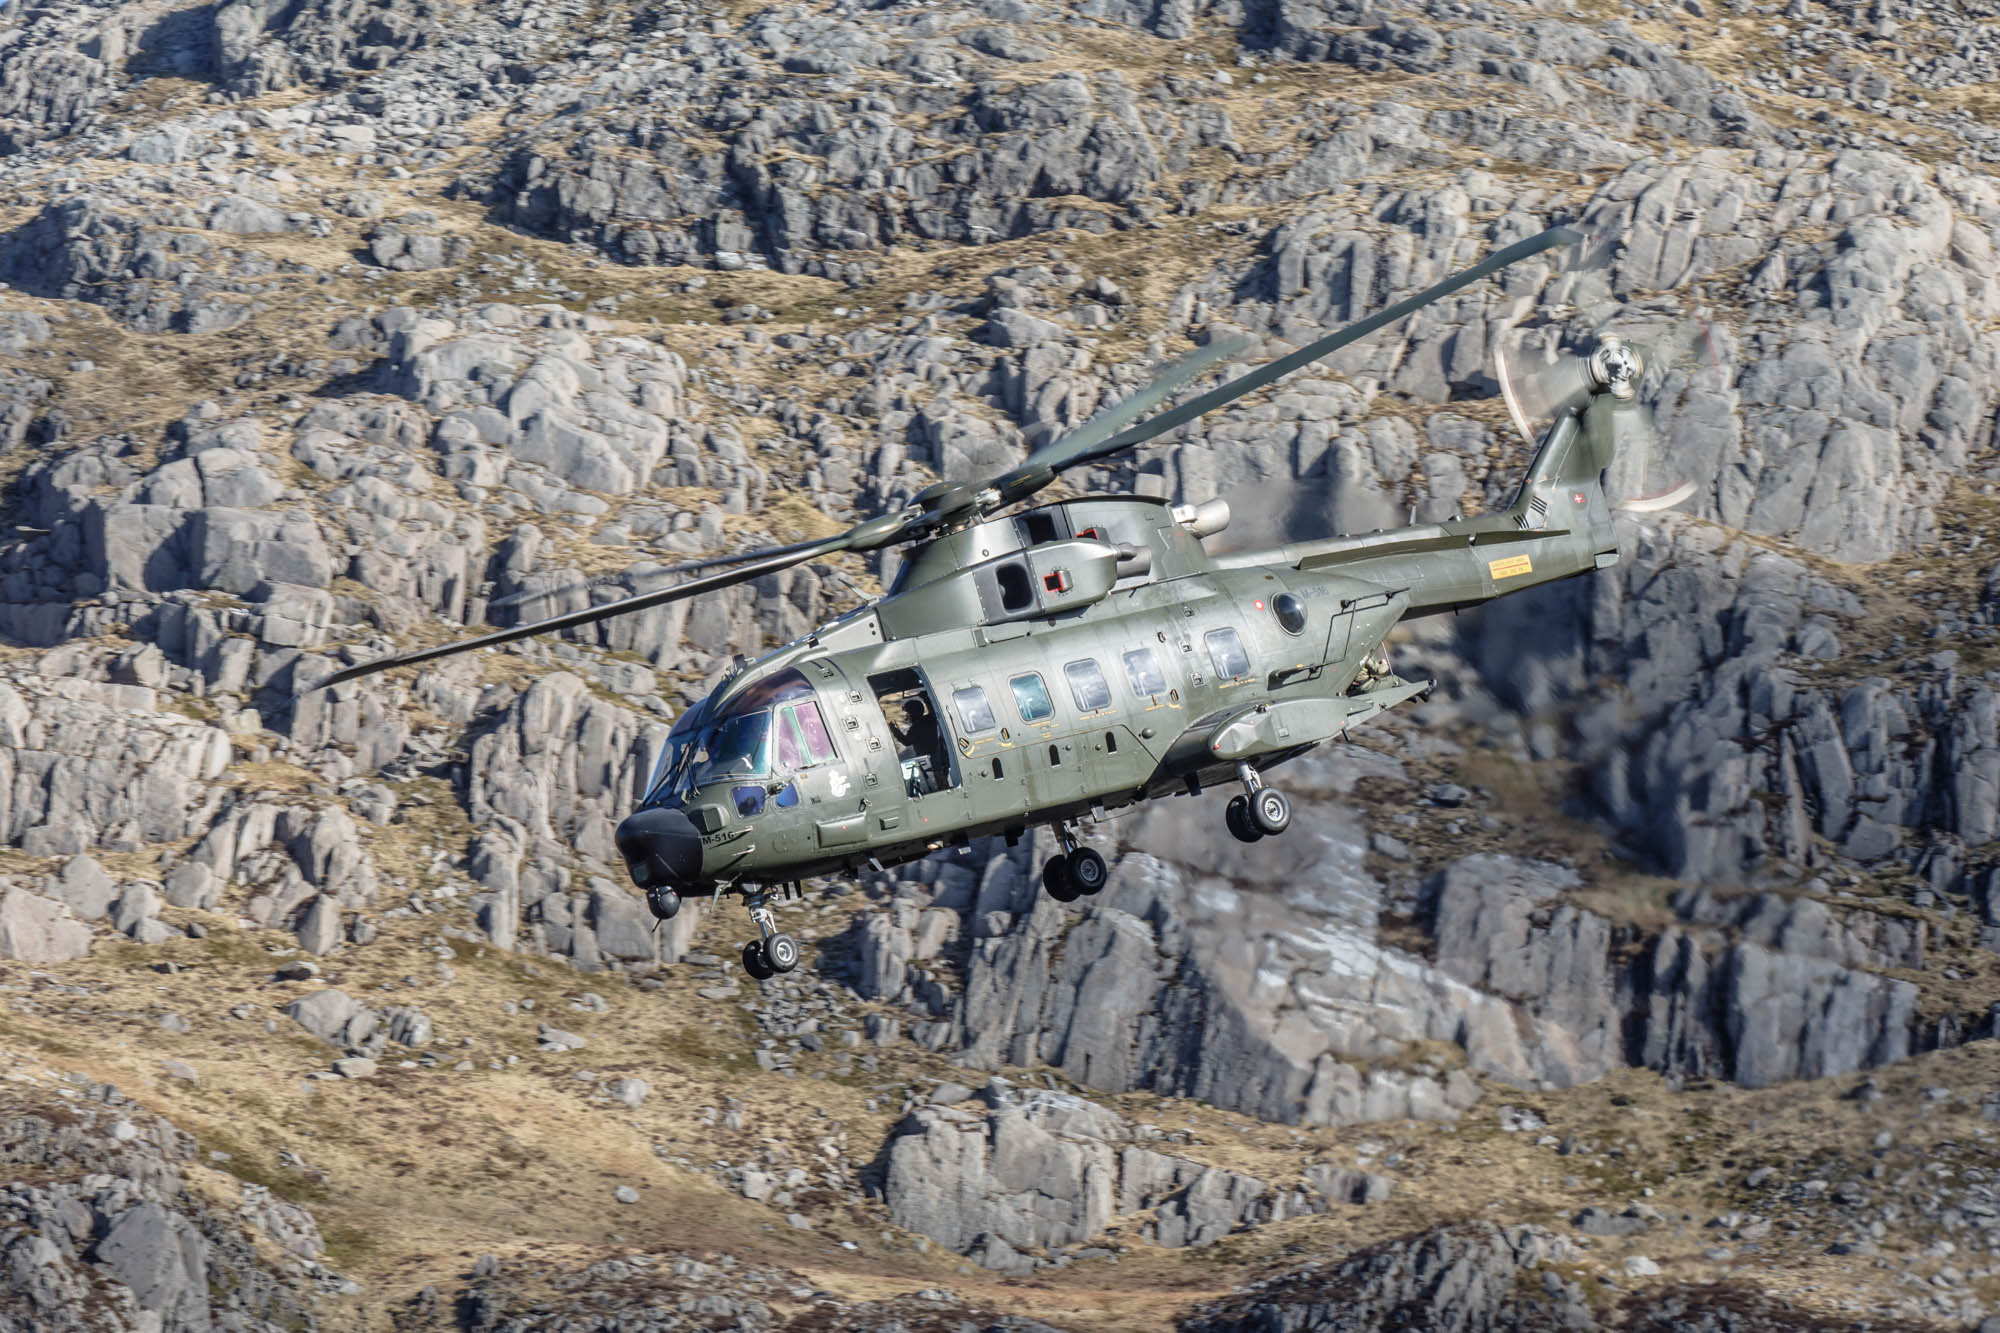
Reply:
x=706 y=747
x=739 y=748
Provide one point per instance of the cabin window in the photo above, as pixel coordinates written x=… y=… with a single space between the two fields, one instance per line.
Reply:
x=1017 y=589
x=1143 y=670
x=1031 y=697
x=973 y=710
x=1225 y=650
x=1290 y=609
x=1087 y=686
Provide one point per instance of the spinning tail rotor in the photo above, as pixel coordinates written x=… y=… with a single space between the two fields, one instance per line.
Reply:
x=1614 y=388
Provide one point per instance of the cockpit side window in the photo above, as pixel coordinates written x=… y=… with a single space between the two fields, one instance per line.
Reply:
x=791 y=750
x=812 y=727
x=802 y=737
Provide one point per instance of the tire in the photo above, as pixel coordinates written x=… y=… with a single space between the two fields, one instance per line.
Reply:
x=781 y=953
x=1056 y=879
x=1237 y=816
x=1271 y=811
x=1087 y=871
x=755 y=963
x=663 y=903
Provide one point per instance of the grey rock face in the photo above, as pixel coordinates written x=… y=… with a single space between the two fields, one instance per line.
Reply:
x=334 y=1017
x=665 y=204
x=1169 y=981
x=34 y=929
x=158 y=1254
x=565 y=765
x=262 y=47
x=90 y=764
x=1045 y=1171
x=1459 y=1277
x=108 y=1238
x=1026 y=1175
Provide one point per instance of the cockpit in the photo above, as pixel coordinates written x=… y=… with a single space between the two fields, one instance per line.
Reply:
x=758 y=743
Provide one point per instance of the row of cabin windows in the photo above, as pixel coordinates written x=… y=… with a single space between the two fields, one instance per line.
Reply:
x=1088 y=687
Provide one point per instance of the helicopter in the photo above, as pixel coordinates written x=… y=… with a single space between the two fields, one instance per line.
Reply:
x=1037 y=666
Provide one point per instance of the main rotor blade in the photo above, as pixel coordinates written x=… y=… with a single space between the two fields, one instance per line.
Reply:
x=1108 y=421
x=759 y=564
x=690 y=567
x=1306 y=355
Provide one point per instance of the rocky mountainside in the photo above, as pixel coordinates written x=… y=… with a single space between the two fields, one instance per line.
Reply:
x=1642 y=978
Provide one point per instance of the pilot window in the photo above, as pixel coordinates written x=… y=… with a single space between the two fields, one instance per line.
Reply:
x=973 y=710
x=1086 y=685
x=1225 y=650
x=802 y=737
x=1031 y=697
x=1143 y=670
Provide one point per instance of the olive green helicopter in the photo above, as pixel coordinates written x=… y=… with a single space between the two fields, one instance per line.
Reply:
x=1050 y=664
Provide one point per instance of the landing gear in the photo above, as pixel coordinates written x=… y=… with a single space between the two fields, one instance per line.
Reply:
x=1237 y=816
x=1088 y=871
x=663 y=903
x=1271 y=811
x=772 y=952
x=1260 y=812
x=1078 y=872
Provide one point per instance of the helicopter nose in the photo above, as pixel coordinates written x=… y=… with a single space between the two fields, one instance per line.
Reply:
x=661 y=847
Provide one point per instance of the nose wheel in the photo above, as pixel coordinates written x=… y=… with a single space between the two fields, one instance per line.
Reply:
x=664 y=904
x=1079 y=872
x=772 y=952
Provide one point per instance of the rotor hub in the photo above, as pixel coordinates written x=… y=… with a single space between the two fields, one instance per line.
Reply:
x=1615 y=368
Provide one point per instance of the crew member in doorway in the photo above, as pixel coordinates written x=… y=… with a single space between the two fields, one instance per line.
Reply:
x=919 y=733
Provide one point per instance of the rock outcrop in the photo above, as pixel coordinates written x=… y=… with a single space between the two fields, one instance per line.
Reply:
x=104 y=1234
x=1013 y=1173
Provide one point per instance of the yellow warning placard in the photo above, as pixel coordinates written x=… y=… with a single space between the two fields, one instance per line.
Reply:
x=1510 y=567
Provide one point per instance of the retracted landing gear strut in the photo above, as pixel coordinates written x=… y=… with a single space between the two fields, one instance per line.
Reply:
x=1078 y=871
x=1260 y=811
x=771 y=952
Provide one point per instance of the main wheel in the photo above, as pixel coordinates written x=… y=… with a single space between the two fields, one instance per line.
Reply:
x=754 y=962
x=663 y=903
x=1087 y=870
x=1058 y=881
x=1271 y=810
x=1237 y=816
x=781 y=952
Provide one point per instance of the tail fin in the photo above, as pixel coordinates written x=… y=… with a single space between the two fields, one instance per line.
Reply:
x=1564 y=487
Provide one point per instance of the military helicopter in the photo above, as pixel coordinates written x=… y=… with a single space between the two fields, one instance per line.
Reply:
x=1041 y=666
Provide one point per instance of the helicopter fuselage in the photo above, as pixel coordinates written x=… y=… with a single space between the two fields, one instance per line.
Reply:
x=1049 y=686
